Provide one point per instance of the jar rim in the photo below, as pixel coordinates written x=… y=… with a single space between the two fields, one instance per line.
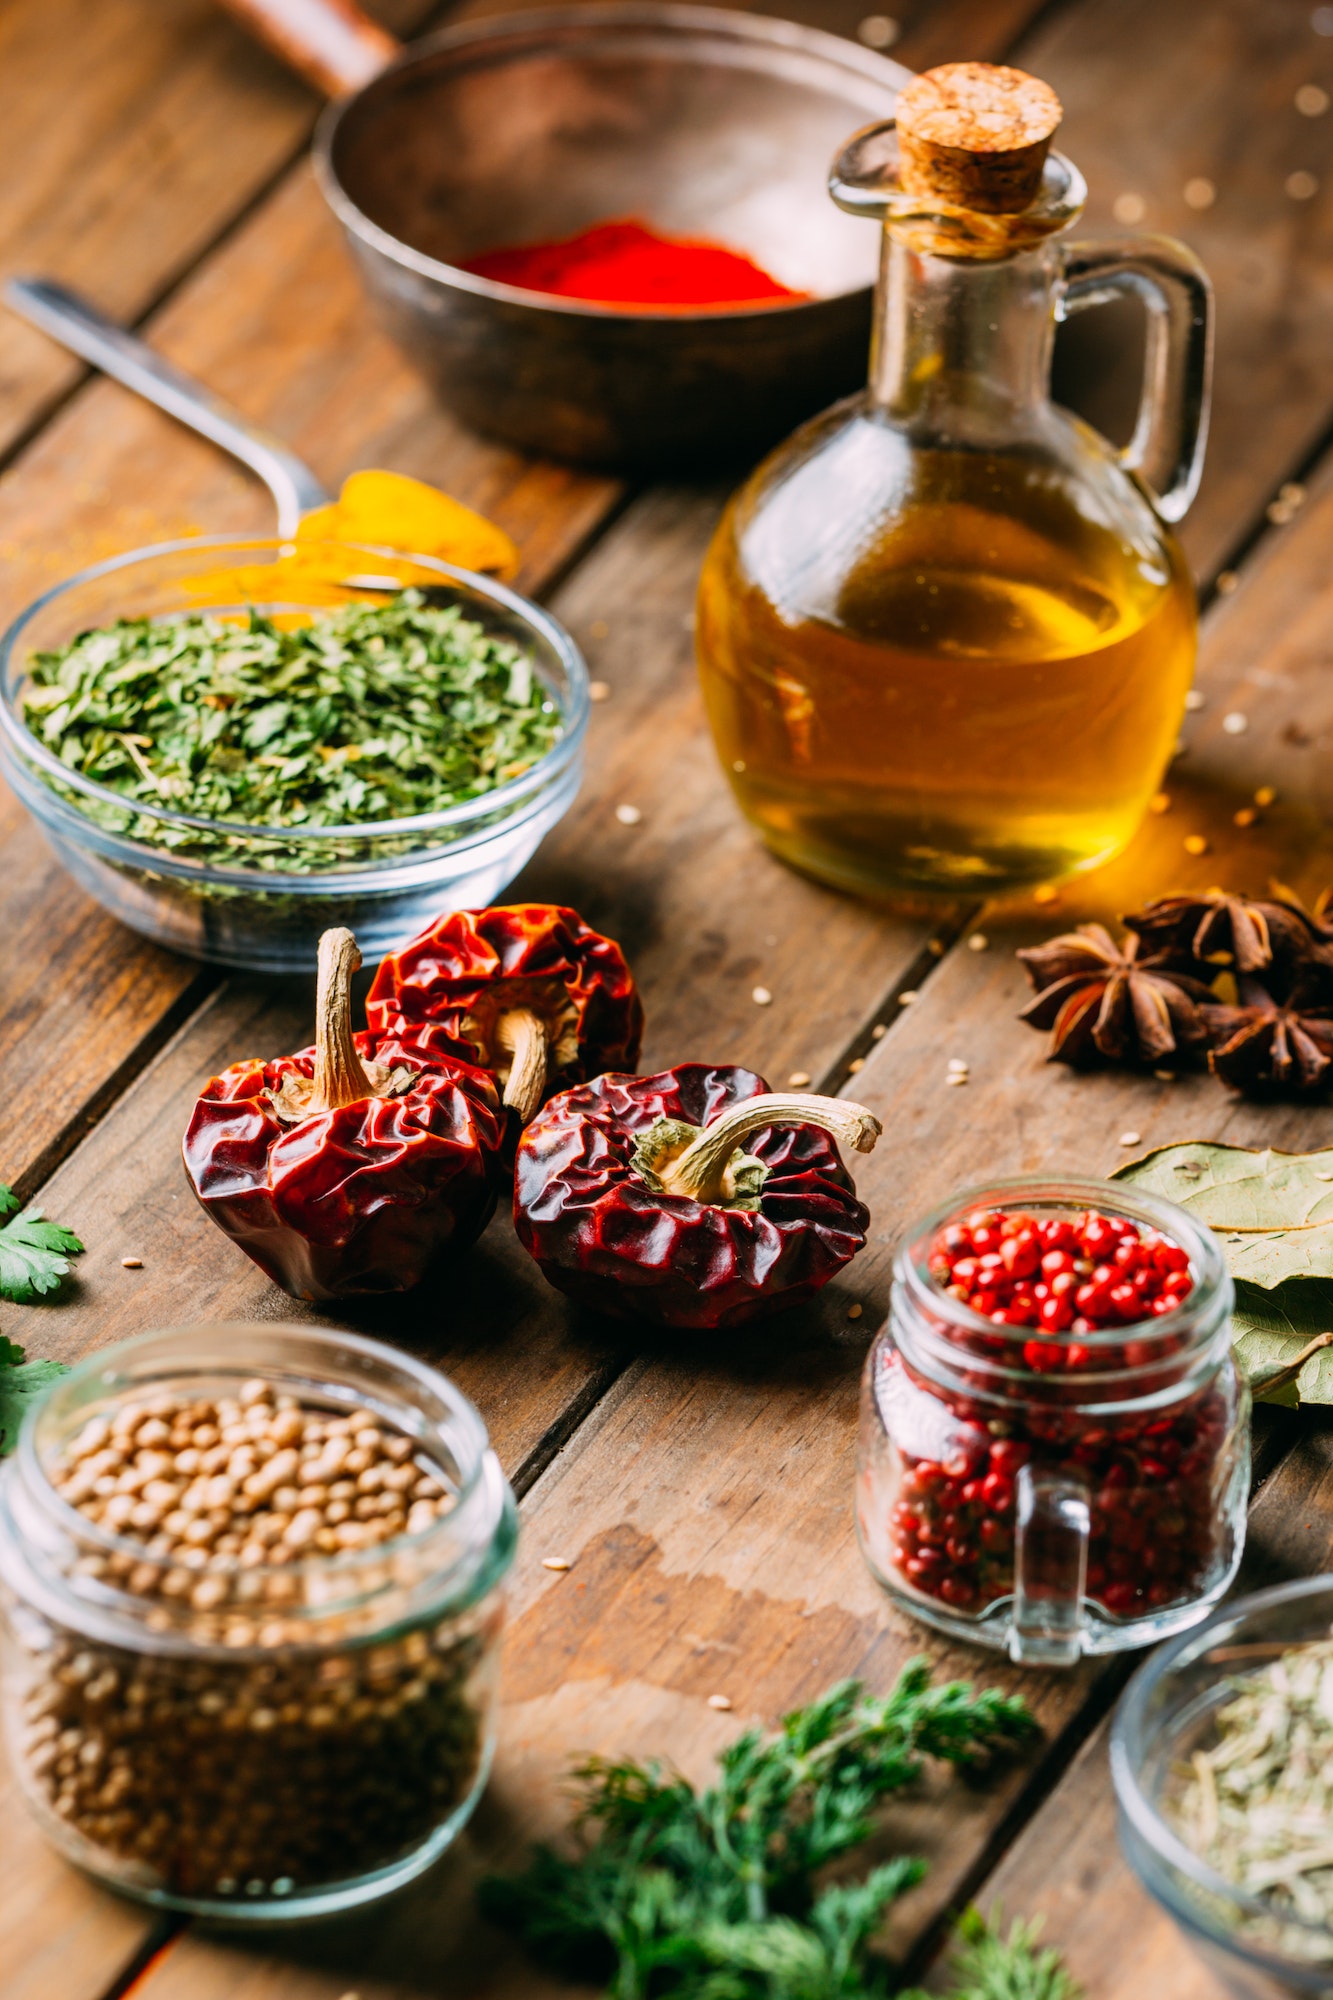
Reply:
x=463 y=1537
x=1210 y=1298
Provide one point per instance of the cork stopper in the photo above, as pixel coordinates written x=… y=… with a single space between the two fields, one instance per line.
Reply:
x=976 y=134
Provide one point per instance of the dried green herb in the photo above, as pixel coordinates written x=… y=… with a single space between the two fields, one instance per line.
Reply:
x=365 y=713
x=1258 y=1803
x=712 y=1895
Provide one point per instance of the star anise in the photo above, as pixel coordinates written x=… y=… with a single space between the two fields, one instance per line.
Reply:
x=1267 y=1047
x=1101 y=1001
x=1230 y=932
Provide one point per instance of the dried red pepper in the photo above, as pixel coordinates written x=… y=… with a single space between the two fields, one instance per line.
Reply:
x=636 y=1195
x=349 y=1167
x=529 y=992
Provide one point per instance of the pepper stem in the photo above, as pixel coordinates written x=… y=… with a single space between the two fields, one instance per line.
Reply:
x=700 y=1171
x=339 y=1076
x=523 y=1035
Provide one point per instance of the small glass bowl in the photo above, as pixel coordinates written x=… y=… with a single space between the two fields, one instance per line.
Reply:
x=385 y=880
x=1166 y=1711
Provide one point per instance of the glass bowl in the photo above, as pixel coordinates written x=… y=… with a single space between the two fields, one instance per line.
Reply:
x=1166 y=1712
x=386 y=879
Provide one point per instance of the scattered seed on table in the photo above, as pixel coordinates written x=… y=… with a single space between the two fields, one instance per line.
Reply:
x=1195 y=699
x=556 y=1562
x=856 y=1065
x=599 y=690
x=936 y=947
x=1194 y=843
x=1311 y=101
x=956 y=1077
x=1265 y=796
x=1200 y=192
x=628 y=815
x=738 y=764
x=1129 y=208
x=1235 y=724
x=798 y=1079
x=1046 y=892
x=879 y=1031
x=1160 y=802
x=1245 y=817
x=958 y=1064
x=1129 y=1138
x=598 y=629
x=1301 y=185
x=978 y=941
x=1165 y=1075
x=761 y=996
x=855 y=1312
x=131 y=1263
x=908 y=999
x=1227 y=580
x=719 y=1701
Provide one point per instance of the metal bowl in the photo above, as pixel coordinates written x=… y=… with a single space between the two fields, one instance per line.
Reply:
x=533 y=126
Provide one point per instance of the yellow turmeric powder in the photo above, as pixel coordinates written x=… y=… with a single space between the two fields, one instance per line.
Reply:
x=389 y=510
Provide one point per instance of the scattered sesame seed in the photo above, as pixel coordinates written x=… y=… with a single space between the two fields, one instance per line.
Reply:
x=936 y=947
x=1195 y=844
x=131 y=1263
x=856 y=1065
x=1200 y=192
x=1227 y=580
x=908 y=999
x=1129 y=208
x=1279 y=513
x=1165 y=1075
x=855 y=1312
x=598 y=629
x=958 y=1062
x=798 y=1079
x=978 y=941
x=556 y=1562
x=1292 y=494
x=1235 y=724
x=1046 y=893
x=1301 y=185
x=956 y=1078
x=628 y=815
x=1311 y=101
x=878 y=31
x=761 y=996
x=1265 y=796
x=738 y=765
x=1129 y=1138
x=879 y=1031
x=1160 y=802
x=599 y=690
x=1194 y=699
x=1245 y=817
x=722 y=1701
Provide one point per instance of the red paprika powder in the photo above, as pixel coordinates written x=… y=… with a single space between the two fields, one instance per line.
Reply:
x=628 y=264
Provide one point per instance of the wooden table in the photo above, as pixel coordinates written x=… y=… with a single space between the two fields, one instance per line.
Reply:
x=703 y=1495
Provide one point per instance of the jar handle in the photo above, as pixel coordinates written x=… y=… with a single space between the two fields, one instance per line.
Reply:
x=1166 y=450
x=1050 y=1567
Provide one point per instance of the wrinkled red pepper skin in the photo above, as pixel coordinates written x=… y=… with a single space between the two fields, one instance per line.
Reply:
x=606 y=1237
x=354 y=1201
x=433 y=985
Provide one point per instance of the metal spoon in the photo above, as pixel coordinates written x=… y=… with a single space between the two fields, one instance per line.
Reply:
x=79 y=326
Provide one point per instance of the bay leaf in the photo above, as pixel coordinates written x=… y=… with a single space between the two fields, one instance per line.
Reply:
x=1269 y=1329
x=1273 y=1212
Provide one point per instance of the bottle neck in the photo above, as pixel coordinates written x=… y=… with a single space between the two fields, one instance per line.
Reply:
x=960 y=344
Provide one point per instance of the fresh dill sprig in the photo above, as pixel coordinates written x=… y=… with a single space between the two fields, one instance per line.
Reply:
x=988 y=1965
x=711 y=1895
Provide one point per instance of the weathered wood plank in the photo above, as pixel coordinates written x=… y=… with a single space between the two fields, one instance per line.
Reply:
x=1161 y=96
x=1067 y=1866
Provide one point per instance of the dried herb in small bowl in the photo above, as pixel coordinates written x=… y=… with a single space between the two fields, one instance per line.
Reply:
x=356 y=715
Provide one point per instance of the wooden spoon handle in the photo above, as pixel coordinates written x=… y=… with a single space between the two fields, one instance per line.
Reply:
x=333 y=44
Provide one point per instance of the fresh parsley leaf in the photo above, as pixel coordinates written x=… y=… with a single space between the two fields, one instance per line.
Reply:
x=34 y=1255
x=20 y=1381
x=711 y=1895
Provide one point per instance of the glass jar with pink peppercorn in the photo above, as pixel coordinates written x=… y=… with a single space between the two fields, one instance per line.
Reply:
x=1053 y=1454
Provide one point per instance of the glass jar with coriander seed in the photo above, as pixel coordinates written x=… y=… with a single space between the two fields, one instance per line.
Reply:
x=253 y=1590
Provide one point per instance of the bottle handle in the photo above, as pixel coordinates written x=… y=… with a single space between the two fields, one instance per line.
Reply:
x=1166 y=450
x=1050 y=1567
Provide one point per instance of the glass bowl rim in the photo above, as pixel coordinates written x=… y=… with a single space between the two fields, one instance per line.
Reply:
x=513 y=793
x=1212 y=1284
x=1126 y=1744
x=348 y=1562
